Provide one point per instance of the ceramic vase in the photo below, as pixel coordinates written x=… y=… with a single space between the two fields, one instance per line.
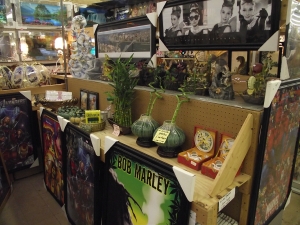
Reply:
x=144 y=128
x=175 y=139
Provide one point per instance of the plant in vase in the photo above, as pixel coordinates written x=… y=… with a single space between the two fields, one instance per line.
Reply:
x=122 y=95
x=199 y=80
x=145 y=126
x=173 y=136
x=257 y=82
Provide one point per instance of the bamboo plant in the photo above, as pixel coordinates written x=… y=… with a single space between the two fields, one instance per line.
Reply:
x=181 y=98
x=123 y=90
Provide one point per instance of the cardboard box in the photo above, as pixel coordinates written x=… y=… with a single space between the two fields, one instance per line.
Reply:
x=203 y=149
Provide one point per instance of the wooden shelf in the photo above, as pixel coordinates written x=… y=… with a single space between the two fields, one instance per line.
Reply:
x=207 y=191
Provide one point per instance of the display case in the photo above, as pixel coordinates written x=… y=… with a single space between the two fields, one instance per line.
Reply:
x=39 y=45
x=8 y=46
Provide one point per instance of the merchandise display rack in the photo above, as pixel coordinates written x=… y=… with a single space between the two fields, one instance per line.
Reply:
x=242 y=121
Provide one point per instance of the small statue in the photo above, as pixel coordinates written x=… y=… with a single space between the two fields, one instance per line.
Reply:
x=221 y=87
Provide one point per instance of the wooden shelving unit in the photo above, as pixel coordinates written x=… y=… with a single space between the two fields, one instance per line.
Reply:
x=36 y=91
x=232 y=117
x=207 y=191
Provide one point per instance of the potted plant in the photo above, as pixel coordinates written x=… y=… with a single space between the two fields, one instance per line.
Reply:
x=257 y=82
x=175 y=135
x=122 y=95
x=145 y=126
x=198 y=80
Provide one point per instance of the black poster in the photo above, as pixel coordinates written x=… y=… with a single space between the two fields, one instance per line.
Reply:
x=53 y=155
x=82 y=178
x=141 y=190
x=16 y=142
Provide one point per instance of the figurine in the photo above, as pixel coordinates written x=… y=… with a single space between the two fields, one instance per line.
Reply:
x=221 y=87
x=81 y=59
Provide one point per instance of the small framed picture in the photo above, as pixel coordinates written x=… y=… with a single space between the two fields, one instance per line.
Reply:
x=239 y=62
x=83 y=99
x=93 y=101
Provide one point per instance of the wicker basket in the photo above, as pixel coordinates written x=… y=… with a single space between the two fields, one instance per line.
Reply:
x=56 y=104
x=92 y=127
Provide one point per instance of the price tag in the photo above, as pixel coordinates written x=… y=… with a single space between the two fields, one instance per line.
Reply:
x=226 y=199
x=117 y=130
x=161 y=136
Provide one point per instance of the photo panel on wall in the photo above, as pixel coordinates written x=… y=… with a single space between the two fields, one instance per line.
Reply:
x=215 y=24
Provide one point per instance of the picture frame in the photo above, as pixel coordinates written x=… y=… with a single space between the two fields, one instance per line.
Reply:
x=82 y=179
x=89 y=100
x=83 y=99
x=240 y=62
x=8 y=49
x=19 y=147
x=279 y=142
x=38 y=45
x=93 y=15
x=53 y=156
x=46 y=17
x=128 y=193
x=137 y=39
x=196 y=23
x=5 y=183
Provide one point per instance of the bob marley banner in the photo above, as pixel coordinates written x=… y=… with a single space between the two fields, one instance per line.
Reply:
x=53 y=155
x=82 y=178
x=277 y=154
x=16 y=143
x=141 y=190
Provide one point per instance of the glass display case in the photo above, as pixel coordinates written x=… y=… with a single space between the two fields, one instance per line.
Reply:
x=38 y=45
x=8 y=52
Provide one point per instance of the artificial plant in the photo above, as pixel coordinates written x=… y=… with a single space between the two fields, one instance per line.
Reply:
x=181 y=98
x=171 y=147
x=122 y=94
x=258 y=81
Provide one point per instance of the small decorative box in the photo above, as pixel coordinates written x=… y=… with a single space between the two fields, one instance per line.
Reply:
x=212 y=166
x=203 y=150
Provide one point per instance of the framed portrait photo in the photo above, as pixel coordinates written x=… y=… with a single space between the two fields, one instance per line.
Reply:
x=124 y=38
x=93 y=101
x=239 y=62
x=83 y=99
x=215 y=24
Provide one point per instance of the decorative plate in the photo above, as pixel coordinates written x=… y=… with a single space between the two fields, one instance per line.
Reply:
x=204 y=141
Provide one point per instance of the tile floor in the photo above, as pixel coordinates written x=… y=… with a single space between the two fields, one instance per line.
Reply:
x=31 y=204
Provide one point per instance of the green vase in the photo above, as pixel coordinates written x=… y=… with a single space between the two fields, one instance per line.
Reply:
x=175 y=139
x=144 y=128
